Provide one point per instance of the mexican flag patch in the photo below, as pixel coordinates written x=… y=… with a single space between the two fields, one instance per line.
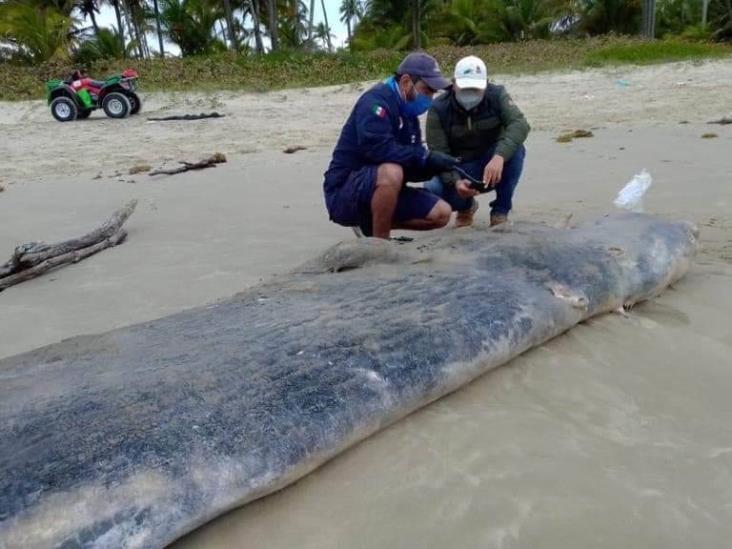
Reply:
x=379 y=111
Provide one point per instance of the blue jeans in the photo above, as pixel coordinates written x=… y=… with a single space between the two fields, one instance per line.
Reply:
x=504 y=189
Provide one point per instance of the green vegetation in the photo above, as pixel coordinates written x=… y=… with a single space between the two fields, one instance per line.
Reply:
x=655 y=52
x=296 y=69
x=41 y=31
x=266 y=44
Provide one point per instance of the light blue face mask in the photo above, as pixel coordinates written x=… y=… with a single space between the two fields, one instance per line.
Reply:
x=416 y=107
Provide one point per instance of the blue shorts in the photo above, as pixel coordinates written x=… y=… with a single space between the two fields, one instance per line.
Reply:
x=350 y=204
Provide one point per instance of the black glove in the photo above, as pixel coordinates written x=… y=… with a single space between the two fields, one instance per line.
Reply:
x=440 y=162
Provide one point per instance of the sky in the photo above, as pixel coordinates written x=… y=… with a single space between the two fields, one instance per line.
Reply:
x=107 y=19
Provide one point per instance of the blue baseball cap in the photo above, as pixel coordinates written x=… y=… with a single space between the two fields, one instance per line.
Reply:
x=424 y=67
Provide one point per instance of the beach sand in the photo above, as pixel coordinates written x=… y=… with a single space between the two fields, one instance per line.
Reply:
x=614 y=434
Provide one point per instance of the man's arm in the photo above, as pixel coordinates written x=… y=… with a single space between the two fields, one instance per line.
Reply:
x=437 y=141
x=376 y=138
x=516 y=128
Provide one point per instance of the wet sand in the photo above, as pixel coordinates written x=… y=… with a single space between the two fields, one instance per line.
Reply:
x=615 y=434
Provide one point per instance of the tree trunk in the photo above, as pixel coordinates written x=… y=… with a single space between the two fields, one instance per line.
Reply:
x=649 y=19
x=140 y=39
x=94 y=22
x=416 y=24
x=327 y=26
x=310 y=22
x=272 y=12
x=120 y=28
x=143 y=38
x=254 y=5
x=348 y=29
x=157 y=25
x=230 y=24
x=296 y=13
x=131 y=30
x=705 y=12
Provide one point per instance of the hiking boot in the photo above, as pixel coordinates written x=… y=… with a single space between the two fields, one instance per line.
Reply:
x=464 y=218
x=498 y=219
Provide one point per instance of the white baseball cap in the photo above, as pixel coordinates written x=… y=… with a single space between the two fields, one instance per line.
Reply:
x=470 y=72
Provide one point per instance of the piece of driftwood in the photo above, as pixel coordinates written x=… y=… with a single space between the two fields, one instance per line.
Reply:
x=200 y=116
x=722 y=121
x=576 y=134
x=210 y=162
x=34 y=258
x=294 y=149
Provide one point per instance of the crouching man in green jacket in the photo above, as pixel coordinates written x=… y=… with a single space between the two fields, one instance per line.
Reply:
x=479 y=123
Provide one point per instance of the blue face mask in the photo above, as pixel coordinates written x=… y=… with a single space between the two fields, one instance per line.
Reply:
x=416 y=107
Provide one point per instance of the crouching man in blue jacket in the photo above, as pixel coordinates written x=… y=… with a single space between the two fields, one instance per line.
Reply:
x=380 y=149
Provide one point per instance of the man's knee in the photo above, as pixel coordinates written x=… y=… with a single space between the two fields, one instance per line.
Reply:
x=440 y=213
x=390 y=175
x=516 y=162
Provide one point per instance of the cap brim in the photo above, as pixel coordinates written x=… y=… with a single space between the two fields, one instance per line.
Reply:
x=475 y=83
x=436 y=82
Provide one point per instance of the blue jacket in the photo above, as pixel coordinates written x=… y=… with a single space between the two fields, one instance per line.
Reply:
x=373 y=134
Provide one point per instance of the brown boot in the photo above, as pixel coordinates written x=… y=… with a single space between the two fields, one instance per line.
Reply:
x=498 y=219
x=464 y=218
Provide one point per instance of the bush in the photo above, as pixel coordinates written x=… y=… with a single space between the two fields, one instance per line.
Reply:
x=228 y=71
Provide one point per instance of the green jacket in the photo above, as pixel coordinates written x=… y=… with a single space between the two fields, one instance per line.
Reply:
x=495 y=122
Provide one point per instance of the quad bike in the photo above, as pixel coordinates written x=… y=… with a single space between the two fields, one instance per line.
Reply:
x=77 y=96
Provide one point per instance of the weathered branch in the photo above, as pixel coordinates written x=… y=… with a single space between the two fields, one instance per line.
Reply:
x=31 y=259
x=722 y=121
x=210 y=162
x=63 y=259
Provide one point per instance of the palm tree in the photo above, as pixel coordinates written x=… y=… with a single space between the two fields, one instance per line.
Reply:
x=323 y=34
x=602 y=16
x=190 y=24
x=104 y=45
x=38 y=33
x=350 y=10
x=468 y=22
x=89 y=8
x=327 y=26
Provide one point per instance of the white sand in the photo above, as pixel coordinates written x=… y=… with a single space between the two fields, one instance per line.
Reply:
x=616 y=434
x=38 y=147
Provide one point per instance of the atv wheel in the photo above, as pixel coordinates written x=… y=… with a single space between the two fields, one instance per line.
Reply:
x=84 y=114
x=116 y=105
x=64 y=109
x=135 y=102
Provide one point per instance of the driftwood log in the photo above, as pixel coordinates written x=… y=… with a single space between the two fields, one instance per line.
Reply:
x=35 y=258
x=187 y=117
x=722 y=121
x=210 y=162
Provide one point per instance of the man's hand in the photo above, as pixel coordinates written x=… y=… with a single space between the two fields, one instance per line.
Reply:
x=440 y=162
x=464 y=190
x=493 y=171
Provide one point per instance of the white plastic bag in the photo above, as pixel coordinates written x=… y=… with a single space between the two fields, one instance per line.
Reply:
x=630 y=197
